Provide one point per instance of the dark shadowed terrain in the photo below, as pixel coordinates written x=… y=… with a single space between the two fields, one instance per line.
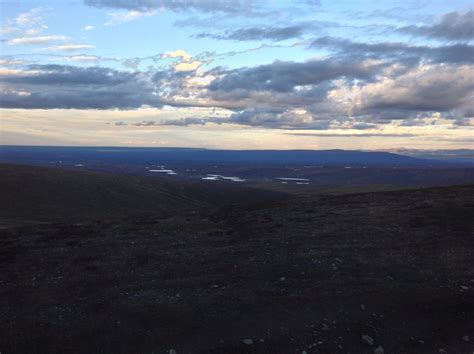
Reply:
x=258 y=272
x=32 y=194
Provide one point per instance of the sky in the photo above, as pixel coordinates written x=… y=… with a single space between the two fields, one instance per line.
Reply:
x=238 y=74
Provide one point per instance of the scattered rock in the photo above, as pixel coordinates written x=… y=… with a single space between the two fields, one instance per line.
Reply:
x=367 y=339
x=379 y=350
x=362 y=306
x=248 y=341
x=282 y=278
x=465 y=338
x=442 y=351
x=464 y=287
x=172 y=351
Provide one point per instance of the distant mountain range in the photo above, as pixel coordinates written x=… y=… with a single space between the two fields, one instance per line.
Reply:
x=190 y=156
x=460 y=155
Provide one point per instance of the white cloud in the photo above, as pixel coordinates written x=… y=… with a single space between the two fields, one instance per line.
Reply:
x=88 y=28
x=36 y=40
x=30 y=18
x=83 y=58
x=188 y=66
x=69 y=47
x=6 y=62
x=29 y=23
x=185 y=62
x=118 y=17
x=7 y=30
x=177 y=54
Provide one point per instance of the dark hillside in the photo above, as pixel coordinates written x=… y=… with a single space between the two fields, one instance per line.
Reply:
x=314 y=274
x=31 y=193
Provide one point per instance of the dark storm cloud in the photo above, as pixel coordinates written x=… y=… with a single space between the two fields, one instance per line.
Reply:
x=285 y=76
x=210 y=6
x=357 y=86
x=71 y=75
x=379 y=91
x=62 y=86
x=259 y=33
x=278 y=119
x=441 y=88
x=453 y=27
x=405 y=53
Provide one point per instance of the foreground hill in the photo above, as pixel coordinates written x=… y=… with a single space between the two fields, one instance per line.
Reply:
x=32 y=194
x=326 y=274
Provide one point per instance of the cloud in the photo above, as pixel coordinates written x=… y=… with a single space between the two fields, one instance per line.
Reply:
x=285 y=76
x=69 y=47
x=210 y=6
x=83 y=58
x=311 y=2
x=88 y=28
x=191 y=66
x=356 y=85
x=185 y=63
x=428 y=88
x=26 y=24
x=259 y=33
x=396 y=51
x=355 y=135
x=38 y=40
x=63 y=86
x=183 y=122
x=31 y=17
x=289 y=119
x=322 y=94
x=119 y=17
x=452 y=27
x=177 y=54
x=11 y=62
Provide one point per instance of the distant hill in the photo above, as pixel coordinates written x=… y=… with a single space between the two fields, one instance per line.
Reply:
x=32 y=194
x=115 y=155
x=459 y=155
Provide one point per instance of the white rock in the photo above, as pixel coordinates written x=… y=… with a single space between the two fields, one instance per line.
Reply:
x=465 y=338
x=248 y=341
x=367 y=339
x=172 y=351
